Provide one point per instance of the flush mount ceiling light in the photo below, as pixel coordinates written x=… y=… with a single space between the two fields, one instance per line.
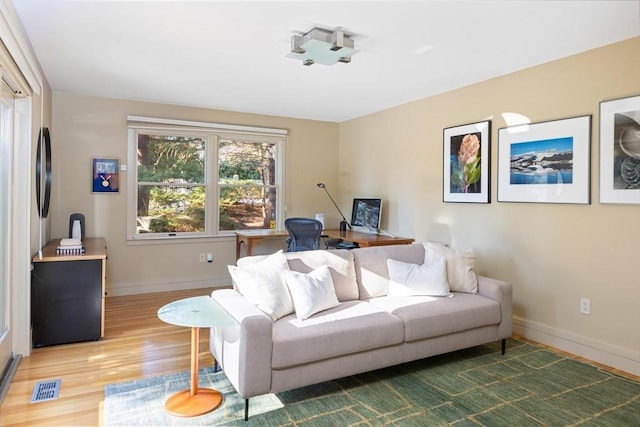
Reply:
x=319 y=46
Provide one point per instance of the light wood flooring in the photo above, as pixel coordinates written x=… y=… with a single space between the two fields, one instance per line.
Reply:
x=136 y=344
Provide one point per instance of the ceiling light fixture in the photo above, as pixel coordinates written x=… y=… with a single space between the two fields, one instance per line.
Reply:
x=319 y=46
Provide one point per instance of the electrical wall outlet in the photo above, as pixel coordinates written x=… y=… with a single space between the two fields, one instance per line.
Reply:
x=203 y=258
x=585 y=306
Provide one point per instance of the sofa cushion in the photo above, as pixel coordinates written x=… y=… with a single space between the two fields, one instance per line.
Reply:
x=340 y=263
x=371 y=266
x=262 y=283
x=427 y=317
x=352 y=327
x=311 y=293
x=406 y=279
x=460 y=265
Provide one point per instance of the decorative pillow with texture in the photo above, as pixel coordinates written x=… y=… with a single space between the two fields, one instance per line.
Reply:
x=313 y=292
x=408 y=279
x=460 y=274
x=262 y=284
x=340 y=263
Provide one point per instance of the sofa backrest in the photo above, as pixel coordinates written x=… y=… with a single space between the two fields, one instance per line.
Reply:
x=358 y=273
x=372 y=274
x=340 y=264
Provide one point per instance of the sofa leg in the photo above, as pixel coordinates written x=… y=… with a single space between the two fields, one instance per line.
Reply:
x=504 y=345
x=246 y=409
x=216 y=367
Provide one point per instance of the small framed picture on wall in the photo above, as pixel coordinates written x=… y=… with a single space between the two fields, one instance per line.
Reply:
x=105 y=175
x=466 y=174
x=620 y=151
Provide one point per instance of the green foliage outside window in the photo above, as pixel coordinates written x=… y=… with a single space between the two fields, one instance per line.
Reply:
x=169 y=171
x=246 y=176
x=172 y=184
x=177 y=211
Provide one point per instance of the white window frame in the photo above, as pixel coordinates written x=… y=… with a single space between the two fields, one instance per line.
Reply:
x=211 y=132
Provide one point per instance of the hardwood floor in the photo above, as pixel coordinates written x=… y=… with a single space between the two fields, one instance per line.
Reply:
x=136 y=344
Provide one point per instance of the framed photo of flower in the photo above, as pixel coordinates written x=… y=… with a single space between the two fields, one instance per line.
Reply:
x=620 y=151
x=466 y=160
x=547 y=162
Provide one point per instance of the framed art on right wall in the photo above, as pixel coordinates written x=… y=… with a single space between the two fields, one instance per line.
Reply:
x=547 y=162
x=466 y=155
x=620 y=151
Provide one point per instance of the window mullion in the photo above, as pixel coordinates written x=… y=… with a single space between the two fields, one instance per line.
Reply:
x=212 y=211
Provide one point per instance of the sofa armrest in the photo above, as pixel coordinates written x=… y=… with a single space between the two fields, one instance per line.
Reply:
x=501 y=292
x=243 y=350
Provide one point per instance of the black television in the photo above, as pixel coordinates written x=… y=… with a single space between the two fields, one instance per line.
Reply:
x=366 y=213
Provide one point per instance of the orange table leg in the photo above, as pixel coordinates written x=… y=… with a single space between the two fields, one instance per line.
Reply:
x=195 y=401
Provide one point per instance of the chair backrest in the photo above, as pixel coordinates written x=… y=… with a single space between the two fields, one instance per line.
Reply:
x=304 y=234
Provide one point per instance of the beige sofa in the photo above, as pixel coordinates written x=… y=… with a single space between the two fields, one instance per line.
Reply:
x=368 y=330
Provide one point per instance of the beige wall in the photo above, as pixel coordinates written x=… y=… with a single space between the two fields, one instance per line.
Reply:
x=86 y=127
x=553 y=254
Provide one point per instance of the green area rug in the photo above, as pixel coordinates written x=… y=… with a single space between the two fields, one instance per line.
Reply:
x=529 y=386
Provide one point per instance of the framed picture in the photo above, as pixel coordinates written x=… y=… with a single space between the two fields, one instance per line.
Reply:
x=620 y=151
x=545 y=162
x=105 y=175
x=466 y=159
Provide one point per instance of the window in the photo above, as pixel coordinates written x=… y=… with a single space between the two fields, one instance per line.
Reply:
x=196 y=179
x=247 y=185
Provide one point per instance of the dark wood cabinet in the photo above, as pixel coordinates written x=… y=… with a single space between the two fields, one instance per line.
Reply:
x=67 y=294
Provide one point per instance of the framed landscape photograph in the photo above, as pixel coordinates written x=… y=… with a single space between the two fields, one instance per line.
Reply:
x=545 y=162
x=620 y=151
x=466 y=159
x=105 y=175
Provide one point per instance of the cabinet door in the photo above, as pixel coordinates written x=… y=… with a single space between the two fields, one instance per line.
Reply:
x=66 y=301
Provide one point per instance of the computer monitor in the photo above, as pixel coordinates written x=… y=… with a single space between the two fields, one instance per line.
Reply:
x=366 y=213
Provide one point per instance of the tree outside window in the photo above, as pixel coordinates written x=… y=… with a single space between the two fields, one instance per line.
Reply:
x=171 y=184
x=247 y=184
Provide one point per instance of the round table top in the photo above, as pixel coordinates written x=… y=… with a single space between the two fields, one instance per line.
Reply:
x=201 y=312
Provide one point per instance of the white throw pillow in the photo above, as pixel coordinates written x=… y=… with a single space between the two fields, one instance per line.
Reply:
x=313 y=292
x=408 y=279
x=460 y=274
x=263 y=284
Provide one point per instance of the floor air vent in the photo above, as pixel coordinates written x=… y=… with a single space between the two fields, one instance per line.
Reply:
x=45 y=390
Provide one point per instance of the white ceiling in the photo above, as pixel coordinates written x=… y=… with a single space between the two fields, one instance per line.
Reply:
x=232 y=55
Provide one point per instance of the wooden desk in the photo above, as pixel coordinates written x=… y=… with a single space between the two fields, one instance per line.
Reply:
x=365 y=240
x=250 y=237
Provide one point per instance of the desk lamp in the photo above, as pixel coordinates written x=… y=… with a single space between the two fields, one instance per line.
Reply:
x=343 y=223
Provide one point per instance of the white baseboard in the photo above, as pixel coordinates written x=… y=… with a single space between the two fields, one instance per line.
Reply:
x=616 y=357
x=117 y=290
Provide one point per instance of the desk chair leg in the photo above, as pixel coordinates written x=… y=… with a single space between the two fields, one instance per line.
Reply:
x=246 y=409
